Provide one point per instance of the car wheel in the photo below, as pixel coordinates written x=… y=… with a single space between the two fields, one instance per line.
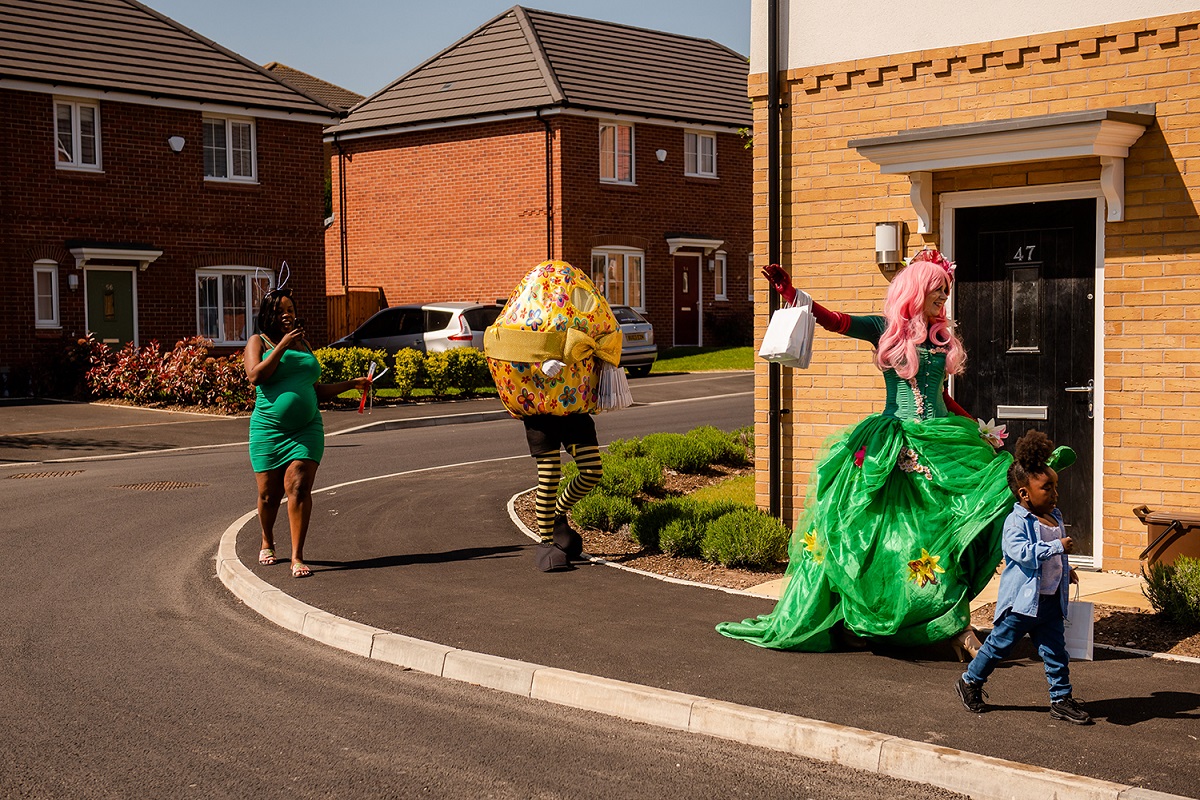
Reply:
x=639 y=371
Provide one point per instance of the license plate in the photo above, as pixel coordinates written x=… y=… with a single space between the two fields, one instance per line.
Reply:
x=634 y=337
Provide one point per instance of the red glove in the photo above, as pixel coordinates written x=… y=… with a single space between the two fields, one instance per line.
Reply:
x=833 y=321
x=780 y=281
x=954 y=407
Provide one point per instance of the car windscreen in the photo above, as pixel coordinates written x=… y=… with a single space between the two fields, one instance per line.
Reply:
x=390 y=322
x=626 y=315
x=478 y=319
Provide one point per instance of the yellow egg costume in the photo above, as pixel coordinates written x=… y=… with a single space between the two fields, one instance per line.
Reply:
x=554 y=313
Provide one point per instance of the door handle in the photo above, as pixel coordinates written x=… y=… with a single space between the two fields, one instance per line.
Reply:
x=1091 y=390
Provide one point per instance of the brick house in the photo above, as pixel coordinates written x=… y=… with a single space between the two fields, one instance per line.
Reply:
x=543 y=135
x=1054 y=156
x=149 y=174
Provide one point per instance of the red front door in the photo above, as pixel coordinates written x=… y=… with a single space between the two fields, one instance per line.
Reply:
x=687 y=300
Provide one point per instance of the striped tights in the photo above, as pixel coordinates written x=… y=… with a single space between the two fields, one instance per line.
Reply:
x=547 y=502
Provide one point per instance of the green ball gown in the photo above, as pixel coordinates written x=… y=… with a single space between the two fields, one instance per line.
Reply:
x=901 y=525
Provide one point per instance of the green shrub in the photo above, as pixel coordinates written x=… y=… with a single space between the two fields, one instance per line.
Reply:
x=647 y=528
x=345 y=363
x=745 y=538
x=468 y=370
x=408 y=371
x=1174 y=590
x=627 y=448
x=438 y=374
x=681 y=537
x=723 y=448
x=677 y=451
x=598 y=510
x=627 y=477
x=745 y=438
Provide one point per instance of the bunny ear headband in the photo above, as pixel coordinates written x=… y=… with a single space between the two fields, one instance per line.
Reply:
x=285 y=274
x=927 y=253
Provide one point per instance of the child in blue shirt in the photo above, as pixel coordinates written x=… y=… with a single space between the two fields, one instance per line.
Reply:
x=1033 y=586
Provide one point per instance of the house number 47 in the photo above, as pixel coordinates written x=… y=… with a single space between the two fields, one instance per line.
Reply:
x=1024 y=253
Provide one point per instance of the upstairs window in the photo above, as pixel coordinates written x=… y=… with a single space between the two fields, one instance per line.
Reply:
x=77 y=135
x=227 y=303
x=45 y=294
x=229 y=152
x=700 y=154
x=616 y=153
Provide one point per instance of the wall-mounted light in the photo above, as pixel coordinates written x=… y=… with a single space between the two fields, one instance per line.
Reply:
x=176 y=143
x=73 y=281
x=661 y=155
x=889 y=247
x=712 y=265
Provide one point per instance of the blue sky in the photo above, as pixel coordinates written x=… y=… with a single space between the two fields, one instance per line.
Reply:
x=363 y=45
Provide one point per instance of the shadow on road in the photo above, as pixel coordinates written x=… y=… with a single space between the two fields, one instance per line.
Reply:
x=462 y=554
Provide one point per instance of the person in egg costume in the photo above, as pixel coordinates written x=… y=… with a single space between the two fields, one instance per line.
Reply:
x=555 y=354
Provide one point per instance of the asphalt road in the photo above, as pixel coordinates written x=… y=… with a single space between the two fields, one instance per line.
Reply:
x=129 y=670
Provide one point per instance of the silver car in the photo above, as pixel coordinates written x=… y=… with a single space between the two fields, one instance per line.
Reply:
x=638 y=350
x=429 y=327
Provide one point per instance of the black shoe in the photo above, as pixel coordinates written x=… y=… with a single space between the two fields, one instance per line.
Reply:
x=1071 y=710
x=972 y=695
x=549 y=557
x=568 y=538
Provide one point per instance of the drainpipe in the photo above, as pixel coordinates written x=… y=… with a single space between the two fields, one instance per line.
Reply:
x=549 y=185
x=774 y=389
x=343 y=235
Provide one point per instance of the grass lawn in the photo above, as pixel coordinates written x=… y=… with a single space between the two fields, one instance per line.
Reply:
x=739 y=490
x=698 y=359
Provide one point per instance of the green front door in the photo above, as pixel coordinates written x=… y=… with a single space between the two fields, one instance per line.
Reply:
x=110 y=306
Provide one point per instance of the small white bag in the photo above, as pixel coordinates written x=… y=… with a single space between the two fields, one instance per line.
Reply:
x=789 y=337
x=1079 y=628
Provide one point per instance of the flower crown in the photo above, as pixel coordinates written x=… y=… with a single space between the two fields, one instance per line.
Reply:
x=927 y=253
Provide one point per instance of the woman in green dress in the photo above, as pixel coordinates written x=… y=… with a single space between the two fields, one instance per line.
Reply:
x=287 y=438
x=901 y=525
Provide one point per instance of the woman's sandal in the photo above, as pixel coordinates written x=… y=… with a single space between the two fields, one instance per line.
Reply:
x=300 y=570
x=266 y=557
x=966 y=644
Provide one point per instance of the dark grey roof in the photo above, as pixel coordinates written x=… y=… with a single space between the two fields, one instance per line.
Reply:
x=526 y=59
x=123 y=46
x=330 y=93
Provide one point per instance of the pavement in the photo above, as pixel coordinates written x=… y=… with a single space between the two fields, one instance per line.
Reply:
x=431 y=571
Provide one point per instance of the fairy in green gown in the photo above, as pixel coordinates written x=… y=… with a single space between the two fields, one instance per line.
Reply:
x=901 y=525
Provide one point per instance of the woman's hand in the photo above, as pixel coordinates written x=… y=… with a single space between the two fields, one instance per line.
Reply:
x=780 y=281
x=362 y=383
x=1074 y=576
x=291 y=338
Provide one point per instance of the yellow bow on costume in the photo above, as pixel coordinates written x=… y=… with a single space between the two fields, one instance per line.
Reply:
x=570 y=346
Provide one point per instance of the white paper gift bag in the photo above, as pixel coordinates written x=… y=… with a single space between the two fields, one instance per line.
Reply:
x=1079 y=629
x=789 y=337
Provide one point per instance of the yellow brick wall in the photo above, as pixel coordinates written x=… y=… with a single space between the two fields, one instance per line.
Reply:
x=832 y=197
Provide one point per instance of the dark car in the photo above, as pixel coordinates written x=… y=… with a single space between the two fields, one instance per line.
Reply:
x=638 y=350
x=429 y=327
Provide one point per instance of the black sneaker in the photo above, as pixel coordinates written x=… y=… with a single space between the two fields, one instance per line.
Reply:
x=972 y=695
x=568 y=538
x=1071 y=710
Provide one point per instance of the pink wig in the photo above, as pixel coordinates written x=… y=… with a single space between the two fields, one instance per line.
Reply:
x=903 y=308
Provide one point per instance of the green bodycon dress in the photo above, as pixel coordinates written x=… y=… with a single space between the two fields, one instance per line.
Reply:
x=901 y=525
x=286 y=424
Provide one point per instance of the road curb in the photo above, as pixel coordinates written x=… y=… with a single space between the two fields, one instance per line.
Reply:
x=955 y=770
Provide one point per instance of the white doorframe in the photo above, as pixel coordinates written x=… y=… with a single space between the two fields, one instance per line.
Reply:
x=950 y=202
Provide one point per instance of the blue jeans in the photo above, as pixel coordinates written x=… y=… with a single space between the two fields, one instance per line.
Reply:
x=1046 y=631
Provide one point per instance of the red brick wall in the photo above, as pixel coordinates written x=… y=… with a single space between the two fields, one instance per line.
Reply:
x=149 y=195
x=459 y=213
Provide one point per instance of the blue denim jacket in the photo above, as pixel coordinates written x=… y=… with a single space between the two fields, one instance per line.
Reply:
x=1024 y=552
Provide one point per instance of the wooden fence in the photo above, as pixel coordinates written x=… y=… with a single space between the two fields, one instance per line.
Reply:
x=345 y=312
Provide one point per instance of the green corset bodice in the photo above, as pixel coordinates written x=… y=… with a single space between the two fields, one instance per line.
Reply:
x=919 y=398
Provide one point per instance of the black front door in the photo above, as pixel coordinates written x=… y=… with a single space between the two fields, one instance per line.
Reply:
x=1024 y=301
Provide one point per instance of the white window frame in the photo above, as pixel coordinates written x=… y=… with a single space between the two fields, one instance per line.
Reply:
x=602 y=284
x=611 y=160
x=228 y=123
x=49 y=267
x=251 y=306
x=721 y=268
x=693 y=165
x=76 y=161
